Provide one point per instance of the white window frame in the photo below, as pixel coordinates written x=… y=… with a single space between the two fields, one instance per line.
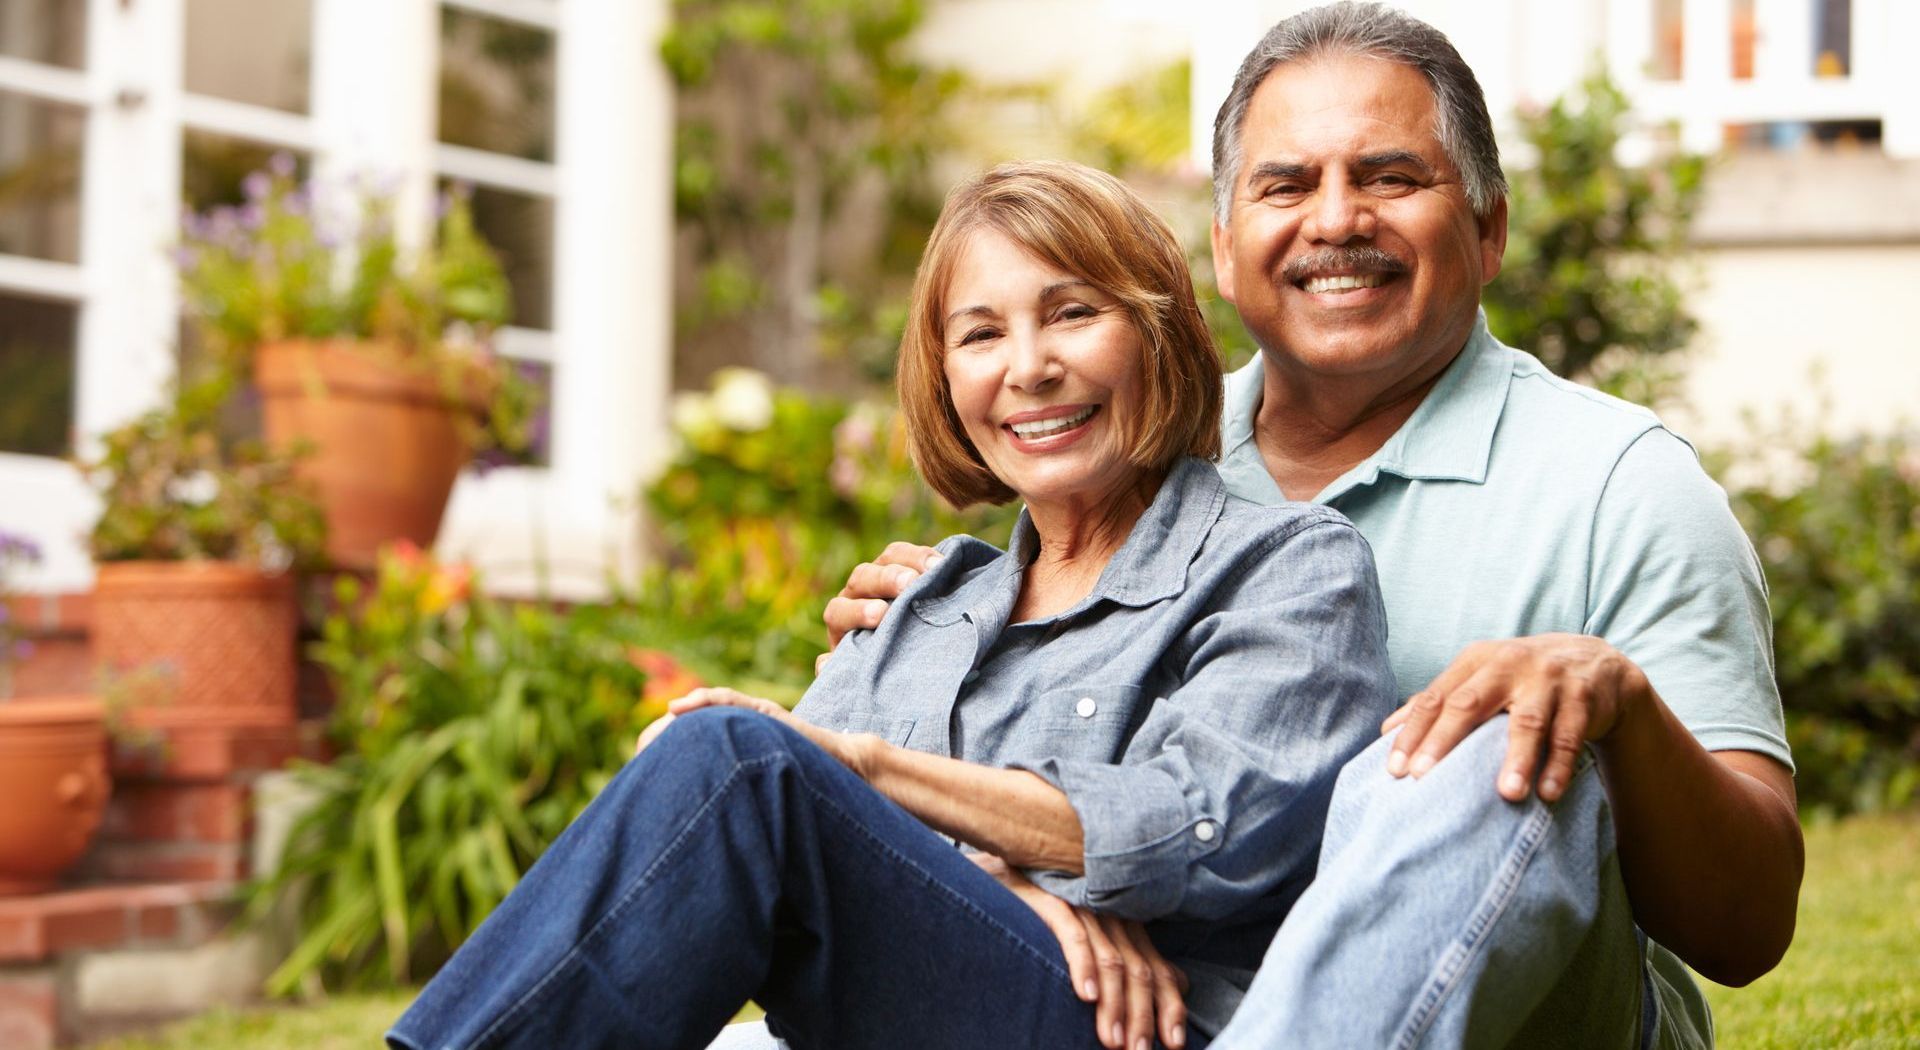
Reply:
x=563 y=528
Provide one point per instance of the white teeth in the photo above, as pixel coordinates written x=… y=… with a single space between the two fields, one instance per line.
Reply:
x=1345 y=282
x=1049 y=427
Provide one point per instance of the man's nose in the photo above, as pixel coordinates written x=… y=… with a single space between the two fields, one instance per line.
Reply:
x=1340 y=213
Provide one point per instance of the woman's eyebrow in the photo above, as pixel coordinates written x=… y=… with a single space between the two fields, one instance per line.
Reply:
x=1058 y=287
x=969 y=311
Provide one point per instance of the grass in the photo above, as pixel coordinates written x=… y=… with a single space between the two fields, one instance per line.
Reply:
x=1852 y=978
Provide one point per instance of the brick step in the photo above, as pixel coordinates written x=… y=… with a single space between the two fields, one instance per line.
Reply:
x=163 y=914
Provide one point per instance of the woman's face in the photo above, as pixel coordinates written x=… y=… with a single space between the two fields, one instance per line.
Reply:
x=1043 y=368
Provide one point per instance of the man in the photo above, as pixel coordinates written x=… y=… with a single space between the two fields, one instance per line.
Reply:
x=1552 y=817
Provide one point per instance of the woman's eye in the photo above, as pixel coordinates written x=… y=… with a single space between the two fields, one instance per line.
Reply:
x=1075 y=312
x=978 y=335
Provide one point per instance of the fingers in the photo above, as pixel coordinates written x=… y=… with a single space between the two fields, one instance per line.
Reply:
x=720 y=696
x=1465 y=709
x=1564 y=741
x=1169 y=1008
x=846 y=614
x=820 y=662
x=1110 y=1010
x=652 y=732
x=1137 y=976
x=911 y=555
x=1423 y=707
x=1392 y=721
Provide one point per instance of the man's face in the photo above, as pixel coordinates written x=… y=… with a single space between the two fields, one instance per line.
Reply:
x=1350 y=248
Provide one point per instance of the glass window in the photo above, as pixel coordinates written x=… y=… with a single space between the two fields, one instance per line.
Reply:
x=1833 y=38
x=49 y=31
x=248 y=51
x=40 y=146
x=1669 y=39
x=36 y=375
x=496 y=85
x=1745 y=38
x=520 y=228
x=213 y=167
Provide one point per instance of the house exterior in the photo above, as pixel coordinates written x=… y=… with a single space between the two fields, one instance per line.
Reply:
x=114 y=111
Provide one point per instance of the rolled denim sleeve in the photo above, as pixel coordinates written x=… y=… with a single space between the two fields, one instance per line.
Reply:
x=1280 y=676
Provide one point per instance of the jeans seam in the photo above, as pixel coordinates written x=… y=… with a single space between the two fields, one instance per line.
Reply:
x=1453 y=962
x=572 y=956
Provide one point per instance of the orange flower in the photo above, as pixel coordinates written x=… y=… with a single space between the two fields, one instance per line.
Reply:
x=667 y=678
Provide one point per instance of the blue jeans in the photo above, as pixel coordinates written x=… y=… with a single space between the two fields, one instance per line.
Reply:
x=1445 y=916
x=733 y=859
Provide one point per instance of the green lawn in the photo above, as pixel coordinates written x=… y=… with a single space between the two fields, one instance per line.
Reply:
x=1852 y=978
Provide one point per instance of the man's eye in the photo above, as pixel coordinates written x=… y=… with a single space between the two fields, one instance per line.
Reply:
x=1392 y=182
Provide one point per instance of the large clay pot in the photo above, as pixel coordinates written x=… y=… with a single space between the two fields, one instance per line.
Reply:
x=53 y=776
x=386 y=445
x=197 y=643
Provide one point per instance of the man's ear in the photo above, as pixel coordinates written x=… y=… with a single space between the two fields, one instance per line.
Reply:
x=1493 y=240
x=1222 y=239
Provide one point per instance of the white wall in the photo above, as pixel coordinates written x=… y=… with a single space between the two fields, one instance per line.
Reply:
x=1772 y=316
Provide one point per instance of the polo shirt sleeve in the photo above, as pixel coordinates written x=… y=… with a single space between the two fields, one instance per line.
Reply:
x=1675 y=585
x=1220 y=797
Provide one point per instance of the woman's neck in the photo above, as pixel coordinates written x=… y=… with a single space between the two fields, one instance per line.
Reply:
x=1075 y=541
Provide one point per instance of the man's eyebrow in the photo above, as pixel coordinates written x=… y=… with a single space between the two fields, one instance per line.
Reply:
x=1273 y=169
x=1394 y=158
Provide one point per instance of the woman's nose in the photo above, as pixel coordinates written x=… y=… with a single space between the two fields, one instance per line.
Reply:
x=1032 y=364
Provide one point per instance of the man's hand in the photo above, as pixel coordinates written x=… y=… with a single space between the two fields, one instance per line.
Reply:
x=863 y=602
x=1560 y=690
x=1113 y=965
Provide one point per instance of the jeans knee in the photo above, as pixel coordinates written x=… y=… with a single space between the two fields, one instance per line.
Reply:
x=727 y=734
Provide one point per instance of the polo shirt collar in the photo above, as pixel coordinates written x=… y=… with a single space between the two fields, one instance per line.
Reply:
x=1151 y=565
x=1448 y=438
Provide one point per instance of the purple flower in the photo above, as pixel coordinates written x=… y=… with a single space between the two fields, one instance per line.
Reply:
x=252 y=217
x=185 y=258
x=257 y=186
x=281 y=164
x=15 y=547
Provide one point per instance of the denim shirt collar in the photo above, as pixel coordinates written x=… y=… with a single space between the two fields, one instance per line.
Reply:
x=1151 y=565
x=1448 y=438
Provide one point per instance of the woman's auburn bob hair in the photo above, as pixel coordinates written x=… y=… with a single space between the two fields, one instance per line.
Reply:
x=1089 y=224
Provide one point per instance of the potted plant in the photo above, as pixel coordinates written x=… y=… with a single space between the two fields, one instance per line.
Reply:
x=194 y=549
x=380 y=360
x=53 y=762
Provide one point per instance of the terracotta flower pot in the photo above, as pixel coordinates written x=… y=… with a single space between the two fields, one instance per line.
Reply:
x=385 y=439
x=197 y=643
x=53 y=776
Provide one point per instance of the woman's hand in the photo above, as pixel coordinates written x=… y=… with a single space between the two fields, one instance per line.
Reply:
x=851 y=749
x=1113 y=965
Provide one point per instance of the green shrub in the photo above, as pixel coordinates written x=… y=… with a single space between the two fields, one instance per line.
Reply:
x=773 y=498
x=470 y=733
x=1841 y=548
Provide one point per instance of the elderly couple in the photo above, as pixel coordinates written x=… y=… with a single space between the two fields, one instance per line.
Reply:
x=1182 y=767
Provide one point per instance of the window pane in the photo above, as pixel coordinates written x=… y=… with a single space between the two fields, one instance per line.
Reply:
x=50 y=31
x=496 y=85
x=1669 y=32
x=40 y=178
x=539 y=450
x=36 y=375
x=520 y=228
x=1833 y=38
x=249 y=51
x=214 y=166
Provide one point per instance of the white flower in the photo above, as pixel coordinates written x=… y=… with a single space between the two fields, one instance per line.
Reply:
x=742 y=399
x=194 y=490
x=692 y=413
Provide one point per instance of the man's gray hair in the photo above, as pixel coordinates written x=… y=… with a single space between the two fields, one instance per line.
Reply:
x=1370 y=30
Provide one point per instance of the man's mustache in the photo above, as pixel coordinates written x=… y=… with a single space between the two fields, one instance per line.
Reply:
x=1357 y=260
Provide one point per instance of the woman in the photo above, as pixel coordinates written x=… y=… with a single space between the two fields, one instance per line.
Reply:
x=1139 y=706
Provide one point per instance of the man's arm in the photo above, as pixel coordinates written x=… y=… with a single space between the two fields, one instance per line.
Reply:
x=1710 y=844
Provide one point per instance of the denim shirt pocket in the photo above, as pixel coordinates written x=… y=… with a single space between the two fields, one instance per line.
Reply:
x=894 y=731
x=1088 y=722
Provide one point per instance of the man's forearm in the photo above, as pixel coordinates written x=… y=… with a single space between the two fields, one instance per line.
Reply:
x=1006 y=812
x=1710 y=844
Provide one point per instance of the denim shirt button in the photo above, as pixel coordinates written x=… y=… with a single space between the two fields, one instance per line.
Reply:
x=1086 y=707
x=1205 y=831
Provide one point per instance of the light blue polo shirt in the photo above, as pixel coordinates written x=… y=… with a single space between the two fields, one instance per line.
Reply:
x=1513 y=502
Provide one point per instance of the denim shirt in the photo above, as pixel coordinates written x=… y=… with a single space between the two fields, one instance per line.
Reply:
x=1194 y=707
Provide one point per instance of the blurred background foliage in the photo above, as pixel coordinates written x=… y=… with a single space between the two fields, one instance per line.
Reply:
x=804 y=189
